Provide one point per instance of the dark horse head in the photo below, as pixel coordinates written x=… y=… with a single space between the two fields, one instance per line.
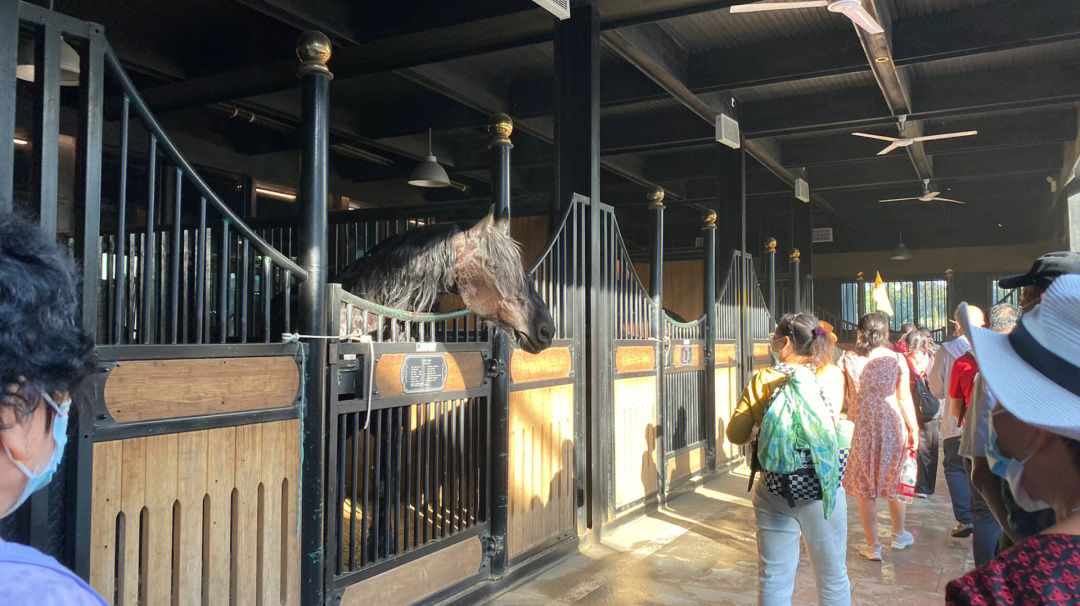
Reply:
x=482 y=265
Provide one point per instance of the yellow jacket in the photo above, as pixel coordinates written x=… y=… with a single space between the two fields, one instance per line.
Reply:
x=755 y=399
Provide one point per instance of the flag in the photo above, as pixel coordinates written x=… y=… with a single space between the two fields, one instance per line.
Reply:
x=881 y=298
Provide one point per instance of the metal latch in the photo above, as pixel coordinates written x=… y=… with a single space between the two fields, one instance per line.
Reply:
x=494 y=367
x=492 y=546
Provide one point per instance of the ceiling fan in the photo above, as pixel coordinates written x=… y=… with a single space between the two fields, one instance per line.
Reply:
x=852 y=9
x=898 y=142
x=927 y=196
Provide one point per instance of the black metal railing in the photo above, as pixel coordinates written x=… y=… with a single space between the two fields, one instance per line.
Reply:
x=684 y=420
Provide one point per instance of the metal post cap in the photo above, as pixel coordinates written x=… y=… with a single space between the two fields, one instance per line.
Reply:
x=710 y=219
x=656 y=198
x=770 y=245
x=949 y=273
x=500 y=127
x=795 y=254
x=313 y=49
x=859 y=276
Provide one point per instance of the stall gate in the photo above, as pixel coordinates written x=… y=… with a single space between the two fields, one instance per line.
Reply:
x=684 y=421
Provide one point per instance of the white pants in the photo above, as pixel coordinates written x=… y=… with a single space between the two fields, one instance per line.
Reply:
x=778 y=529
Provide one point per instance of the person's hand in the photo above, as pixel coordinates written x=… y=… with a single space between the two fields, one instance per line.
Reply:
x=913 y=441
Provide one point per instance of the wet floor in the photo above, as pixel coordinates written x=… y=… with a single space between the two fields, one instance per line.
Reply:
x=700 y=549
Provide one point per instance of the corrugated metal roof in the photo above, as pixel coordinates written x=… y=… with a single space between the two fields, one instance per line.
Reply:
x=911 y=8
x=1030 y=55
x=642 y=108
x=523 y=63
x=721 y=29
x=805 y=87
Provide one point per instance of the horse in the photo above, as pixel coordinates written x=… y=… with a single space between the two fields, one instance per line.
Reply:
x=411 y=270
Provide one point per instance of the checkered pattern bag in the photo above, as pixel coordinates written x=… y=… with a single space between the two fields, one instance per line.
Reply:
x=803 y=484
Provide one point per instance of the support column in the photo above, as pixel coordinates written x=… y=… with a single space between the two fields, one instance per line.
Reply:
x=711 y=443
x=313 y=49
x=860 y=297
x=770 y=253
x=796 y=279
x=577 y=171
x=656 y=285
x=499 y=127
x=950 y=298
x=9 y=53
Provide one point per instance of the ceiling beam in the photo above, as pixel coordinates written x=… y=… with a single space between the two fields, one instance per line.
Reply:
x=651 y=50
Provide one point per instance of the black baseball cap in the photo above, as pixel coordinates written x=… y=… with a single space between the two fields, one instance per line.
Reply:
x=1044 y=270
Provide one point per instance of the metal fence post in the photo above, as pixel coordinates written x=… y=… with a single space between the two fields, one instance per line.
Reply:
x=313 y=49
x=656 y=284
x=949 y=298
x=796 y=291
x=500 y=127
x=860 y=296
x=711 y=443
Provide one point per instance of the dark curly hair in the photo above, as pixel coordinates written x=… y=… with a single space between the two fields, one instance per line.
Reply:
x=872 y=332
x=807 y=336
x=42 y=345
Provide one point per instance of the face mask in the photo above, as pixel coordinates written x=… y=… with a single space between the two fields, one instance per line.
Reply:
x=35 y=481
x=1012 y=471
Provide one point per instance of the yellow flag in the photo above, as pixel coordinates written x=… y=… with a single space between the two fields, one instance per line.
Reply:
x=881 y=298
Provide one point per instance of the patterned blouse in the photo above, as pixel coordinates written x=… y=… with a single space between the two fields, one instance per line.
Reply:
x=1044 y=569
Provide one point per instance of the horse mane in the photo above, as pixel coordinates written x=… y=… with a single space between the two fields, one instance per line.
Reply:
x=407 y=271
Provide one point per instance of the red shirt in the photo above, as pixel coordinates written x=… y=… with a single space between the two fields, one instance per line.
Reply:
x=962 y=377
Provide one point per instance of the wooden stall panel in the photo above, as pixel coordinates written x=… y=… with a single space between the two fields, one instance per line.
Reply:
x=200 y=517
x=464 y=370
x=762 y=358
x=634 y=424
x=685 y=464
x=552 y=363
x=635 y=358
x=541 y=467
x=150 y=390
x=725 y=354
x=728 y=391
x=420 y=578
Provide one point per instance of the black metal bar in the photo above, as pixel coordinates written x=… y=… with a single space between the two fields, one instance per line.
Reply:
x=9 y=53
x=177 y=234
x=314 y=50
x=121 y=261
x=656 y=282
x=149 y=260
x=266 y=292
x=243 y=278
x=712 y=440
x=46 y=130
x=796 y=290
x=365 y=523
x=223 y=283
x=200 y=274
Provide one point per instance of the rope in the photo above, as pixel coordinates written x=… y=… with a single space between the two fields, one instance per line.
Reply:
x=292 y=337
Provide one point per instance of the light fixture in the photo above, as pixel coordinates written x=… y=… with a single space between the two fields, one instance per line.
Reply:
x=881 y=59
x=901 y=252
x=69 y=63
x=20 y=141
x=429 y=173
x=276 y=195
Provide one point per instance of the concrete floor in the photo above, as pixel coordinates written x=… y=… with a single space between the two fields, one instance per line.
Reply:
x=701 y=550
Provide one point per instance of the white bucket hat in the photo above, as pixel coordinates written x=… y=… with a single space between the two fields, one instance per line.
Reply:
x=1035 y=370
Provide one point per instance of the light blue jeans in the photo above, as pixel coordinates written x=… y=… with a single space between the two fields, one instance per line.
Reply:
x=778 y=530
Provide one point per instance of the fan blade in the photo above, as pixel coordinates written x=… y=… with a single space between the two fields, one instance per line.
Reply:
x=966 y=133
x=947 y=200
x=878 y=137
x=777 y=6
x=862 y=18
x=892 y=146
x=933 y=194
x=898 y=200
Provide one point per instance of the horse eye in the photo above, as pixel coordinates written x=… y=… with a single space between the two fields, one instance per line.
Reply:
x=492 y=267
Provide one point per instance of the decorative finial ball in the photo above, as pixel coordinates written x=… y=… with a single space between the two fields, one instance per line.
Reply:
x=949 y=273
x=709 y=217
x=770 y=245
x=500 y=126
x=795 y=254
x=859 y=276
x=656 y=195
x=313 y=47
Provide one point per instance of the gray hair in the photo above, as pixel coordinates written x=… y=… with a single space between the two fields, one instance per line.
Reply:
x=1003 y=317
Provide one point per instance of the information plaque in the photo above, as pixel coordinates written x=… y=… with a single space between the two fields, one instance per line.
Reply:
x=423 y=373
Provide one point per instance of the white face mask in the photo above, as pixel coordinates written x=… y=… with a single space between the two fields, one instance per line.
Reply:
x=1014 y=475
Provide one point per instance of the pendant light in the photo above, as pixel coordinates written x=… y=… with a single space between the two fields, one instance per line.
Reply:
x=429 y=173
x=901 y=252
x=69 y=63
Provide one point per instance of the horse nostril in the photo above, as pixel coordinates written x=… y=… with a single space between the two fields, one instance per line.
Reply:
x=545 y=332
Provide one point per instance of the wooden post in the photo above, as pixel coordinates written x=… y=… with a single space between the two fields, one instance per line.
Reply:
x=711 y=444
x=313 y=49
x=500 y=127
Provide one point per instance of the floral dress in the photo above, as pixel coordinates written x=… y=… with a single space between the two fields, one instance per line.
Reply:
x=1044 y=569
x=877 y=386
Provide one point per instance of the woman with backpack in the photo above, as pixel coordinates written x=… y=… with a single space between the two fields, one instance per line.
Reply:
x=793 y=410
x=928 y=413
x=878 y=394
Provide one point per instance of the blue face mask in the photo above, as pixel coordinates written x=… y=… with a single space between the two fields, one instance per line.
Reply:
x=999 y=463
x=36 y=480
x=1012 y=471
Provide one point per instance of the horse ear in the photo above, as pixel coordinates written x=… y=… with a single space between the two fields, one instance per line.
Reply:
x=485 y=225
